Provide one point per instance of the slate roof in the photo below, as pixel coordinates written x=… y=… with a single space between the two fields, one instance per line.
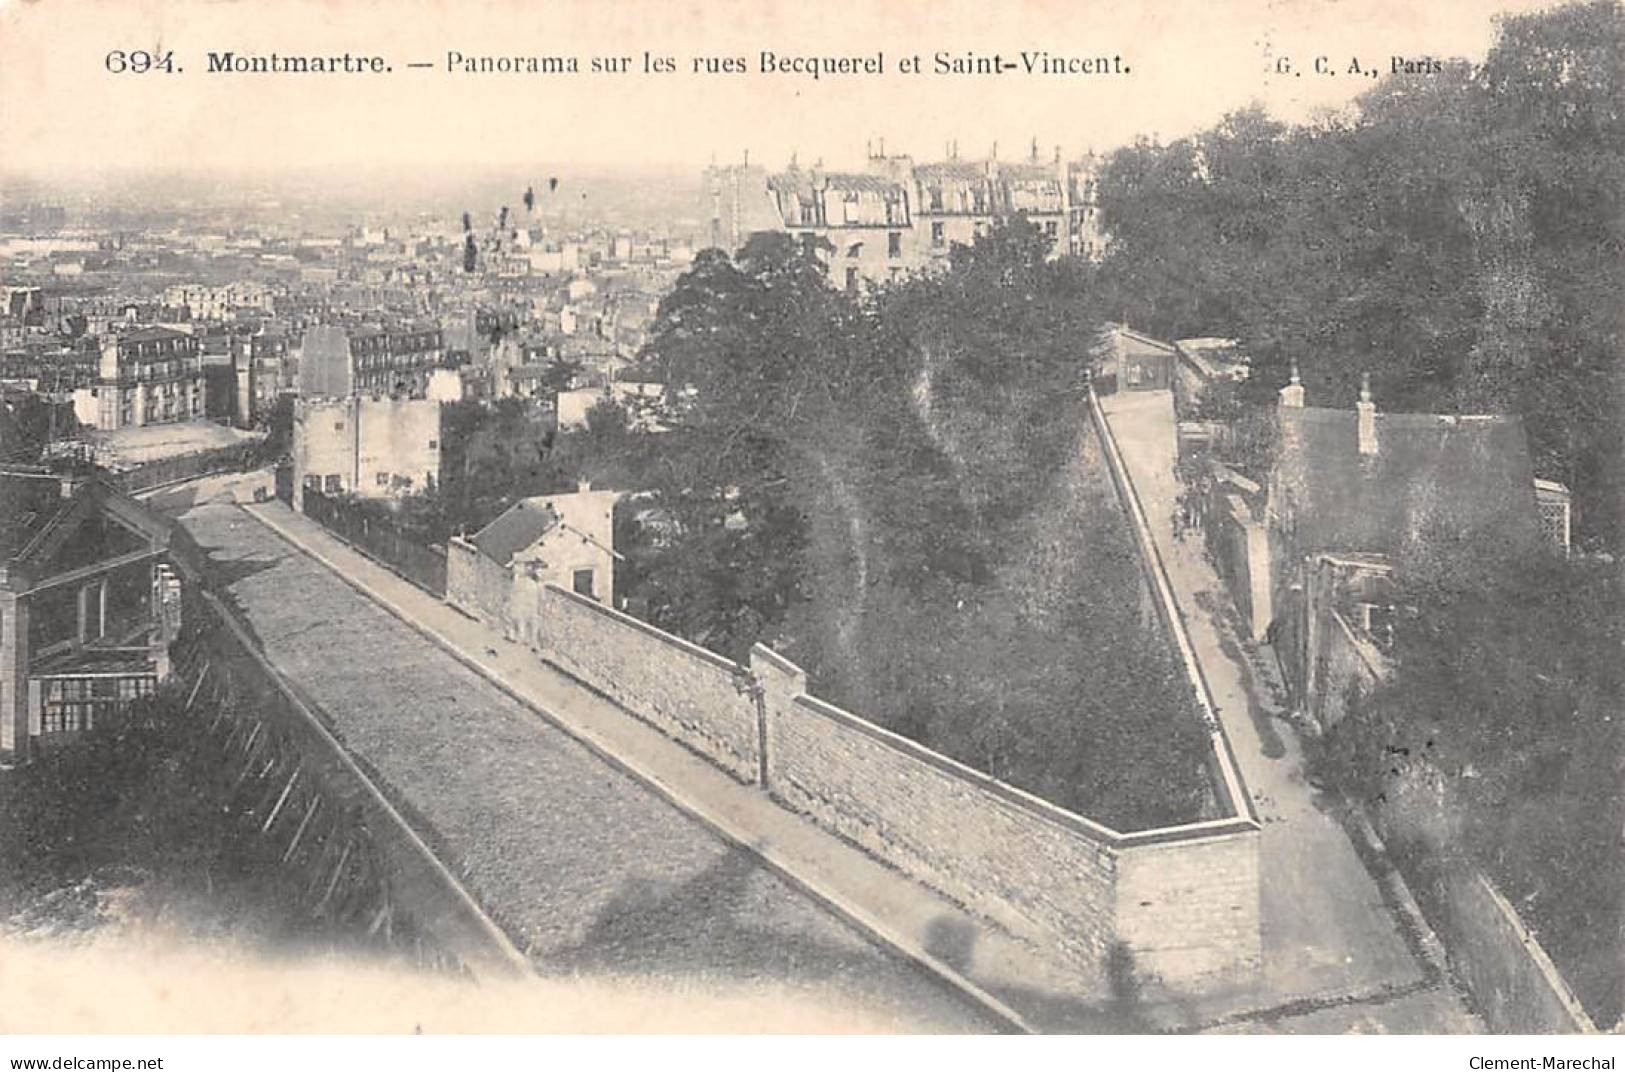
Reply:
x=957 y=170
x=1431 y=474
x=804 y=183
x=153 y=334
x=525 y=522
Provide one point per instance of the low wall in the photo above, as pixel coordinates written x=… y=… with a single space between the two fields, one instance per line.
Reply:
x=1515 y=985
x=1183 y=901
x=478 y=586
x=228 y=459
x=424 y=565
x=695 y=697
x=1188 y=907
x=946 y=825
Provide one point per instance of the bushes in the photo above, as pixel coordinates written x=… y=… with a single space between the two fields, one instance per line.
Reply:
x=1506 y=713
x=903 y=496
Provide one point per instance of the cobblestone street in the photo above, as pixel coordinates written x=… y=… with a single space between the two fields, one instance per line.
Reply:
x=591 y=872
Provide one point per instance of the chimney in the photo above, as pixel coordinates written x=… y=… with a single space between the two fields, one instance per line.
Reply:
x=1367 y=411
x=1292 y=393
x=583 y=486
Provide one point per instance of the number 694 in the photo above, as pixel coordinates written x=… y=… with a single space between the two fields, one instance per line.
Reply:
x=139 y=61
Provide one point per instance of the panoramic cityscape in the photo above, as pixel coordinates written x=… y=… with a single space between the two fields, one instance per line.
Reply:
x=1153 y=585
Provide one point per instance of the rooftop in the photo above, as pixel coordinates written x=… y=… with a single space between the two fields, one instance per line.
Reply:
x=153 y=334
x=520 y=526
x=1430 y=474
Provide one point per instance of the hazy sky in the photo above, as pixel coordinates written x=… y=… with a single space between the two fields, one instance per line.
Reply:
x=61 y=112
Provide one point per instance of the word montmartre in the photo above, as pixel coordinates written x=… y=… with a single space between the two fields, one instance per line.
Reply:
x=276 y=63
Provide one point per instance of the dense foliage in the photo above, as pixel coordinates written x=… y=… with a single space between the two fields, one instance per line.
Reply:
x=1458 y=236
x=28 y=422
x=902 y=493
x=140 y=806
x=1501 y=740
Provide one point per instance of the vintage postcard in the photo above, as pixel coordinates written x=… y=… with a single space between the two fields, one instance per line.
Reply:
x=759 y=517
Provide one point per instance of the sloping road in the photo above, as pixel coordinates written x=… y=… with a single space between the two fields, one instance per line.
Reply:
x=1335 y=956
x=591 y=872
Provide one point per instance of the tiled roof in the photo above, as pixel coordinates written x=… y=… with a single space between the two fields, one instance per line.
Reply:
x=1430 y=474
x=525 y=522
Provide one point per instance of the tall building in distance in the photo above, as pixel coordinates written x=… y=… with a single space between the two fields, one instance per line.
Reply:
x=152 y=375
x=898 y=215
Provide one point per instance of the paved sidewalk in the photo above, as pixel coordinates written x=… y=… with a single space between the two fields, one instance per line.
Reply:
x=1333 y=948
x=1008 y=977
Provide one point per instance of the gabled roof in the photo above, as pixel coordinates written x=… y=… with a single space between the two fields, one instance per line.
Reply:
x=520 y=526
x=1430 y=475
x=1129 y=343
x=107 y=522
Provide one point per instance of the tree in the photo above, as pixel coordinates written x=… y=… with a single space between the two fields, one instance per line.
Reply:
x=879 y=488
x=1457 y=238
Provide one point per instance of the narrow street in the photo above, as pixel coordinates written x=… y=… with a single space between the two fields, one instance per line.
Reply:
x=1335 y=955
x=598 y=878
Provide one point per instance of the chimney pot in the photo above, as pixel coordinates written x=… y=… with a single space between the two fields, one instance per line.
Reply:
x=1292 y=393
x=1366 y=411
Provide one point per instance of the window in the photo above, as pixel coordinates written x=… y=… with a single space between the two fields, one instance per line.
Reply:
x=338 y=426
x=851 y=280
x=332 y=484
x=383 y=480
x=131 y=688
x=936 y=234
x=64 y=718
x=434 y=444
x=1554 y=521
x=581 y=582
x=894 y=244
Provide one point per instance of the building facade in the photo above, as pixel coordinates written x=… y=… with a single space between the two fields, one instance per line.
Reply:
x=339 y=360
x=372 y=448
x=897 y=216
x=89 y=604
x=147 y=376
